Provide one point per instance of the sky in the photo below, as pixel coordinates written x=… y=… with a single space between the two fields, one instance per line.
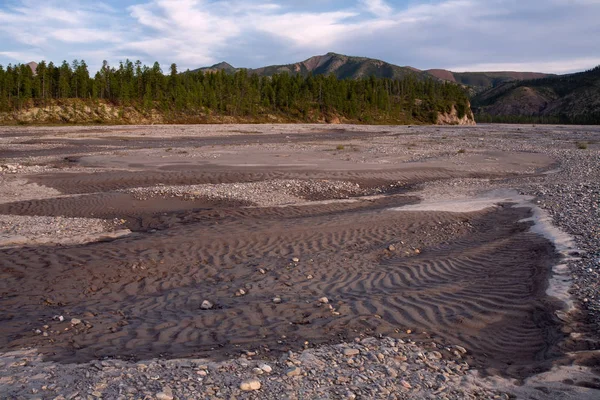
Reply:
x=555 y=36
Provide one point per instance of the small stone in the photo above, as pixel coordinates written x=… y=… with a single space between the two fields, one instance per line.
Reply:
x=351 y=352
x=266 y=368
x=240 y=292
x=206 y=305
x=276 y=300
x=405 y=384
x=250 y=385
x=262 y=271
x=324 y=300
x=296 y=259
x=293 y=371
x=75 y=321
x=391 y=247
x=59 y=318
x=164 y=396
x=461 y=349
x=309 y=277
x=257 y=371
x=417 y=251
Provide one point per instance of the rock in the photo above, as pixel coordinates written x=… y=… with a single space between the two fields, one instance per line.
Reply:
x=461 y=349
x=206 y=305
x=75 y=321
x=351 y=352
x=250 y=385
x=276 y=300
x=266 y=368
x=293 y=371
x=296 y=259
x=406 y=384
x=324 y=300
x=391 y=247
x=240 y=293
x=59 y=318
x=257 y=371
x=309 y=277
x=164 y=396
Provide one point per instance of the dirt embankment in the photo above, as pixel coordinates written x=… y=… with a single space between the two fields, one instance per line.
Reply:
x=98 y=112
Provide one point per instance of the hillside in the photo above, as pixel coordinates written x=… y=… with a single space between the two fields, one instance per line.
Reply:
x=479 y=81
x=339 y=65
x=348 y=67
x=573 y=98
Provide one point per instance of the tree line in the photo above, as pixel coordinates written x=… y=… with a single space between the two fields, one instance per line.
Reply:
x=232 y=94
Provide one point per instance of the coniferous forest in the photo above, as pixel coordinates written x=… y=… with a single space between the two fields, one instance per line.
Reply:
x=193 y=96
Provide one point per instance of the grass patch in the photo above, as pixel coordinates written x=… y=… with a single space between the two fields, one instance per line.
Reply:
x=582 y=145
x=461 y=151
x=340 y=147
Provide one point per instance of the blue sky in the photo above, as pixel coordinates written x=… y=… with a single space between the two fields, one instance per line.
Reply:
x=557 y=36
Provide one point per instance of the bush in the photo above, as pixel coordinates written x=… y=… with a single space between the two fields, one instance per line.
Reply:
x=582 y=145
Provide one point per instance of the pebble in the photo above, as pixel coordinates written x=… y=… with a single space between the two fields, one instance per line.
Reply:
x=293 y=371
x=206 y=305
x=75 y=321
x=276 y=300
x=266 y=368
x=164 y=396
x=324 y=300
x=351 y=352
x=250 y=385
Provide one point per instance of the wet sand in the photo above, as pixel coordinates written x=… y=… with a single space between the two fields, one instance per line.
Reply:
x=477 y=279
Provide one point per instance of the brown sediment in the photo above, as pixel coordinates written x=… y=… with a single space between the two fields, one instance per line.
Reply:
x=477 y=279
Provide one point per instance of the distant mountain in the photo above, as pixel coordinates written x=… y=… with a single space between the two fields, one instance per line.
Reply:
x=344 y=67
x=331 y=63
x=33 y=65
x=573 y=98
x=480 y=81
x=218 y=67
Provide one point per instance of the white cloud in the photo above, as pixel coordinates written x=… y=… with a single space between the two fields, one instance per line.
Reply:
x=377 y=7
x=555 y=67
x=496 y=34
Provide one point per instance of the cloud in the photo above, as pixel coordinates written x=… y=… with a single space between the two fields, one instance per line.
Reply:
x=377 y=7
x=534 y=35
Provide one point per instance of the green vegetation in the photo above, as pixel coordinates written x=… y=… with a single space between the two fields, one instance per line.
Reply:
x=461 y=151
x=187 y=96
x=340 y=147
x=582 y=145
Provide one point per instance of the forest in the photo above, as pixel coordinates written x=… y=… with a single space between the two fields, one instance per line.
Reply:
x=239 y=94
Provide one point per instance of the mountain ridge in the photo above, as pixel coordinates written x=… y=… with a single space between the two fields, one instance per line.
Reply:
x=354 y=67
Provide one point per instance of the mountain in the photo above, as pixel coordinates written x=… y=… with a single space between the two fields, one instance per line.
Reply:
x=348 y=67
x=341 y=66
x=218 y=67
x=480 y=81
x=573 y=98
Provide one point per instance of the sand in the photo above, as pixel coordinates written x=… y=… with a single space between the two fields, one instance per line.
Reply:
x=289 y=213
